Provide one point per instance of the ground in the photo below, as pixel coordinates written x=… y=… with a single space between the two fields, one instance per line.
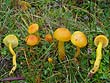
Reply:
x=89 y=16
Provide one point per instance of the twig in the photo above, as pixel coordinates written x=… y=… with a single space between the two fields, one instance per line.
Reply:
x=12 y=79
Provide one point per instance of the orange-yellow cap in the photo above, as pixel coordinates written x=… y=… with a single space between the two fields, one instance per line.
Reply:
x=50 y=60
x=101 y=38
x=48 y=37
x=62 y=34
x=32 y=40
x=33 y=28
x=79 y=39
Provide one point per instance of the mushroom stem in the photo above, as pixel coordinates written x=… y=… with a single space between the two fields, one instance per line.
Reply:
x=61 y=50
x=98 y=60
x=76 y=55
x=77 y=52
x=14 y=59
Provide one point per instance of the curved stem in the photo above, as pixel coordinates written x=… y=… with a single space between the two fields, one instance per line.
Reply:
x=14 y=59
x=98 y=59
x=61 y=50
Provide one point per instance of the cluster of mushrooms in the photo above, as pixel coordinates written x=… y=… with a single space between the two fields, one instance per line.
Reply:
x=78 y=39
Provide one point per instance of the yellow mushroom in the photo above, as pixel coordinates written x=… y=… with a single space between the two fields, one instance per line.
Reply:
x=48 y=37
x=24 y=5
x=62 y=35
x=79 y=39
x=11 y=41
x=33 y=28
x=50 y=60
x=100 y=41
x=32 y=40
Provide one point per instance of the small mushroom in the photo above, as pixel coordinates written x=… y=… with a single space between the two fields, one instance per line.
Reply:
x=100 y=41
x=32 y=40
x=48 y=37
x=79 y=39
x=50 y=60
x=33 y=28
x=62 y=35
x=11 y=41
x=24 y=5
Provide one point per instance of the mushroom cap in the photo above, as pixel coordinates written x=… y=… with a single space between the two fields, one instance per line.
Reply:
x=62 y=34
x=79 y=39
x=50 y=60
x=24 y=5
x=33 y=28
x=48 y=37
x=11 y=39
x=101 y=38
x=32 y=40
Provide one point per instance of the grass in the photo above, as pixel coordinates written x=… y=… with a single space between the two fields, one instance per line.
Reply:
x=89 y=17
